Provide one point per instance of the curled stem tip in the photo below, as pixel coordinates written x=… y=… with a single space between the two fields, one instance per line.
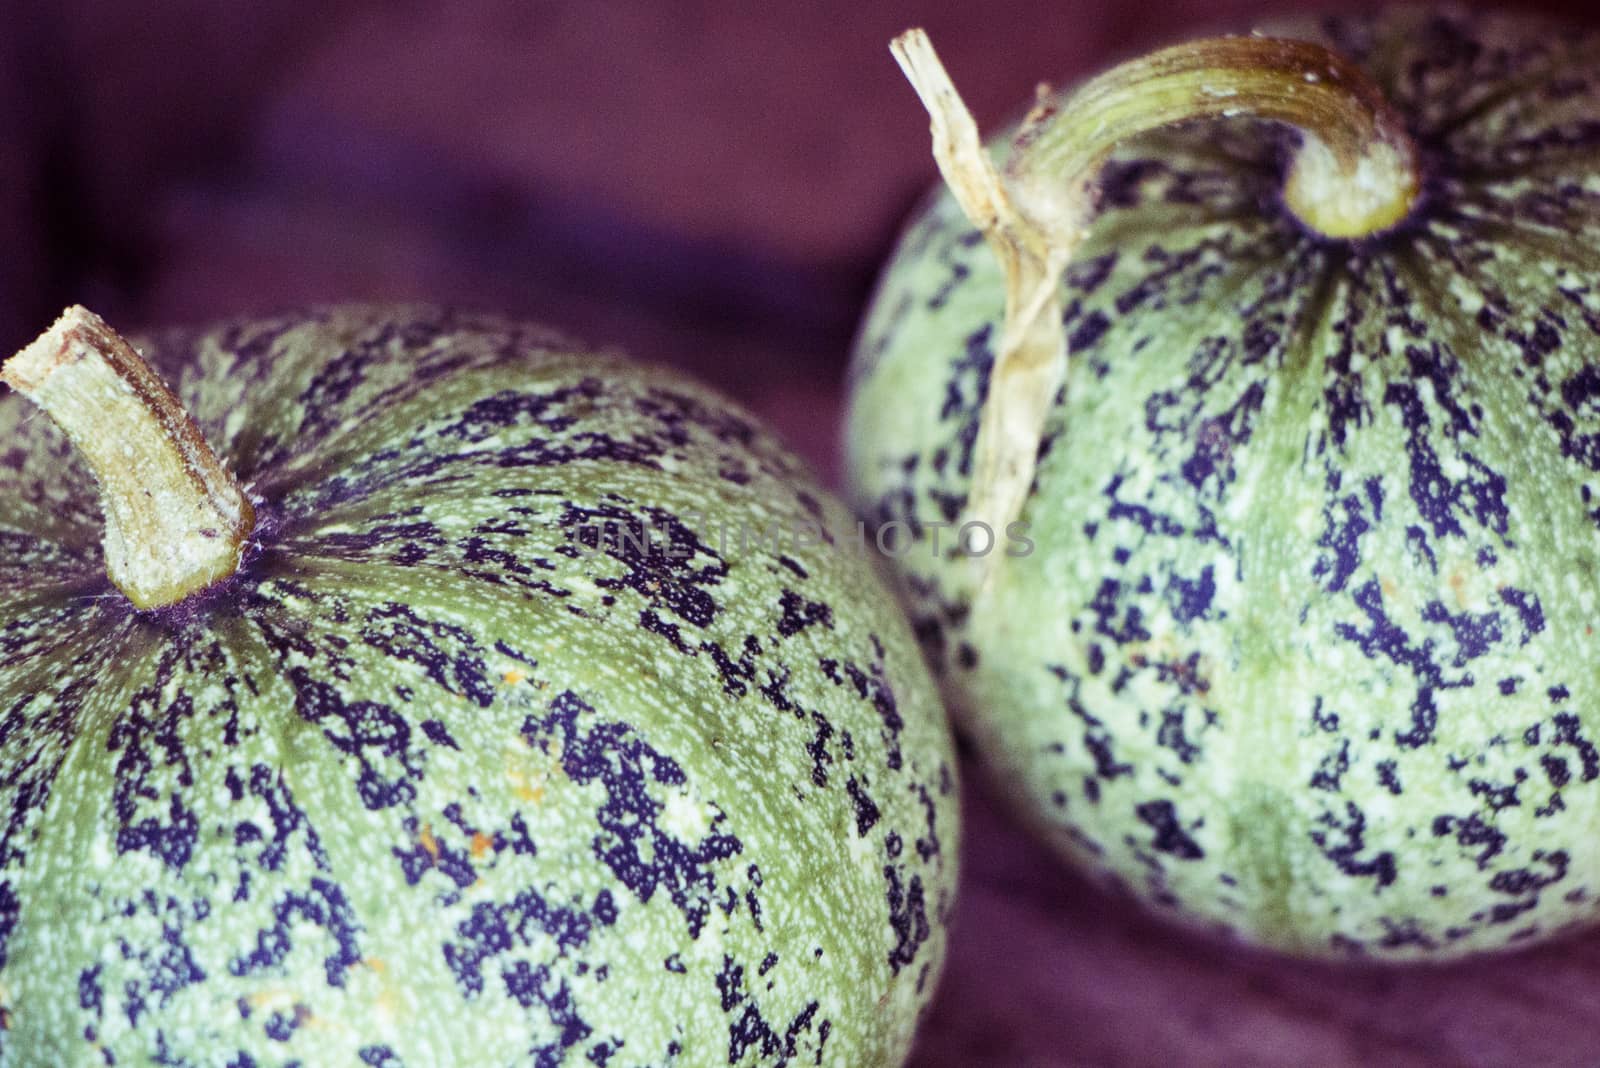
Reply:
x=1354 y=173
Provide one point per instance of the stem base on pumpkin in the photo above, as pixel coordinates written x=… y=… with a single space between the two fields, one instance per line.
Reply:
x=176 y=519
x=1353 y=175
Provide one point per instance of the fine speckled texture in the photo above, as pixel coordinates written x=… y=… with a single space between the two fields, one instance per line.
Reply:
x=1304 y=653
x=440 y=777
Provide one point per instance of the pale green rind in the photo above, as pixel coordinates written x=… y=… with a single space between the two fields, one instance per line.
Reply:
x=1304 y=650
x=431 y=783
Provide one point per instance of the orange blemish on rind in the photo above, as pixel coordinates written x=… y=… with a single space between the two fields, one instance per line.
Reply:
x=529 y=784
x=524 y=789
x=269 y=999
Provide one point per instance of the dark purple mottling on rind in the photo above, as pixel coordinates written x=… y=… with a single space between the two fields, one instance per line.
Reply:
x=1366 y=329
x=282 y=627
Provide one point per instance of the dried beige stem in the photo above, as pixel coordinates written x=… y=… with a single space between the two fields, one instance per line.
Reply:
x=1031 y=352
x=176 y=519
x=1354 y=174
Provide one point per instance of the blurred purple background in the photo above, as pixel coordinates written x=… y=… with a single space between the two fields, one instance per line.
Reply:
x=710 y=185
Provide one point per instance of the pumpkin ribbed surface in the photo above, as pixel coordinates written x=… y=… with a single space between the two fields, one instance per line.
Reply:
x=447 y=773
x=1304 y=650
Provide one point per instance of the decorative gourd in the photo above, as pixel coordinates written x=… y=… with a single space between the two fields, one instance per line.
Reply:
x=441 y=770
x=1298 y=639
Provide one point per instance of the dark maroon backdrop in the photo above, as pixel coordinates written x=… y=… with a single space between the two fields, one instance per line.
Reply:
x=706 y=184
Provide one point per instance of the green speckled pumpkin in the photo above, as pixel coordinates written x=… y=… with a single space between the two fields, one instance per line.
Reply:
x=447 y=773
x=1305 y=649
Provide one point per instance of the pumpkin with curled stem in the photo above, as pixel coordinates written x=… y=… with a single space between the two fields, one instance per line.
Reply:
x=1306 y=649
x=523 y=732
